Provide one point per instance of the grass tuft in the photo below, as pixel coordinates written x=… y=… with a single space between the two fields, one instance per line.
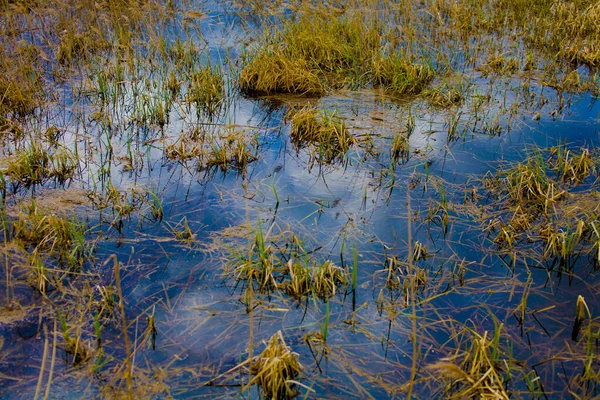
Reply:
x=325 y=129
x=477 y=371
x=275 y=369
x=399 y=76
x=272 y=72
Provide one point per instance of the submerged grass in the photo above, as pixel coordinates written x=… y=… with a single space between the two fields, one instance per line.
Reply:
x=477 y=370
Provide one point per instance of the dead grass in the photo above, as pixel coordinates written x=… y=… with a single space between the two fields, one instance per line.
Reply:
x=132 y=66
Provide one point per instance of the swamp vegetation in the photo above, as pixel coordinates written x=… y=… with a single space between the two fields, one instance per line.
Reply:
x=288 y=198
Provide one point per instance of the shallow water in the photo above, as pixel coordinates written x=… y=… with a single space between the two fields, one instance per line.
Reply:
x=203 y=328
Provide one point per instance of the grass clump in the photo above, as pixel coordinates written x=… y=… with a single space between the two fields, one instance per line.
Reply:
x=341 y=46
x=299 y=283
x=445 y=95
x=225 y=148
x=35 y=165
x=21 y=85
x=500 y=64
x=326 y=278
x=571 y=166
x=400 y=147
x=477 y=371
x=206 y=89
x=528 y=185
x=319 y=50
x=275 y=369
x=48 y=247
x=545 y=209
x=55 y=235
x=272 y=72
x=325 y=129
x=279 y=261
x=399 y=76
x=233 y=149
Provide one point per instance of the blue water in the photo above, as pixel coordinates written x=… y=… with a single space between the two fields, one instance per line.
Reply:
x=361 y=201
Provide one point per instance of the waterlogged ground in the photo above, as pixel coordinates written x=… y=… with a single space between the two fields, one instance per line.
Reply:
x=152 y=228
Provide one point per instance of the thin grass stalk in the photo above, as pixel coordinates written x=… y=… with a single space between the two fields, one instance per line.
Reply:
x=325 y=326
x=128 y=364
x=355 y=267
x=413 y=370
x=52 y=362
x=250 y=287
x=43 y=366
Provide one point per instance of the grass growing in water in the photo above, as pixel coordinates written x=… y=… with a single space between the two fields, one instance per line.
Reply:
x=280 y=260
x=478 y=372
x=144 y=69
x=545 y=200
x=206 y=89
x=325 y=129
x=399 y=76
x=315 y=52
x=275 y=369
x=272 y=72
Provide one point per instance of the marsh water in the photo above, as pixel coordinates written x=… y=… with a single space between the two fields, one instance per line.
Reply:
x=428 y=210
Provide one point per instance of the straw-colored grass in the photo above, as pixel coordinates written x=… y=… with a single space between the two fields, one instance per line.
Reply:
x=272 y=72
x=325 y=129
x=398 y=76
x=475 y=371
x=206 y=89
x=320 y=50
x=275 y=369
x=538 y=202
x=445 y=95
